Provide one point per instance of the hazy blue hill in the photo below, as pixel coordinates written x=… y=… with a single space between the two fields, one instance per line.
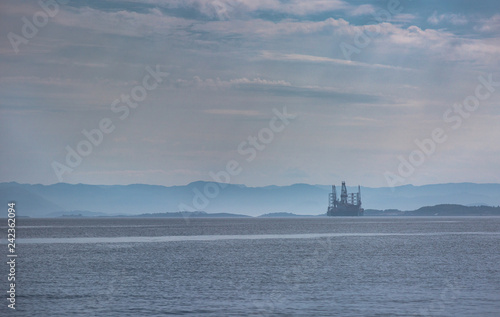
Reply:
x=115 y=199
x=410 y=197
x=281 y=215
x=76 y=213
x=304 y=199
x=455 y=210
x=194 y=214
x=28 y=203
x=439 y=210
x=250 y=200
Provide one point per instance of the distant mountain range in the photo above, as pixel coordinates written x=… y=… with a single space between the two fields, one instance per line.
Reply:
x=439 y=210
x=303 y=199
x=193 y=214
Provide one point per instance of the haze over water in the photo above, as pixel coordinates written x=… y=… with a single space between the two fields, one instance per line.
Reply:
x=259 y=267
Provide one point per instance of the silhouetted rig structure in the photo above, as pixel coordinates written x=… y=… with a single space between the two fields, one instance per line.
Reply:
x=348 y=205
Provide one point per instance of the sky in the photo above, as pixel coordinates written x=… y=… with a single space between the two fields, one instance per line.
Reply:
x=253 y=92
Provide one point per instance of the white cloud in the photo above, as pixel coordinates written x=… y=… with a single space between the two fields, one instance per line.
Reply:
x=299 y=7
x=455 y=19
x=234 y=112
x=259 y=81
x=268 y=28
x=489 y=25
x=129 y=23
x=121 y=22
x=363 y=9
x=35 y=80
x=141 y=24
x=415 y=36
x=481 y=51
x=403 y=18
x=225 y=9
x=217 y=83
x=447 y=45
x=267 y=55
x=278 y=87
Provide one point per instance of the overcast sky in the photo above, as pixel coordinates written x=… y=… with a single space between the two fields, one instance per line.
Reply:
x=360 y=82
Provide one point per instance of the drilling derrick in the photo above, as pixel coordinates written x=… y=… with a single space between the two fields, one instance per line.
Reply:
x=343 y=195
x=348 y=205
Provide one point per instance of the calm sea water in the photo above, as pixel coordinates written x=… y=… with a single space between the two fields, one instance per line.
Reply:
x=256 y=267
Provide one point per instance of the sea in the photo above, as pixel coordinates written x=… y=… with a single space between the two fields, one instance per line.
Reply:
x=317 y=266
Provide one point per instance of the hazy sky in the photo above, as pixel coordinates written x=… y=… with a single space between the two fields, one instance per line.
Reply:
x=360 y=81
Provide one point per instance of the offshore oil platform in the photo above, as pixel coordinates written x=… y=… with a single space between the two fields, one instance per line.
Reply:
x=348 y=205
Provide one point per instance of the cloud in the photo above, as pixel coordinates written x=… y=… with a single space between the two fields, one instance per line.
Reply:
x=415 y=36
x=446 y=45
x=455 y=19
x=234 y=112
x=267 y=55
x=275 y=87
x=35 y=80
x=226 y=9
x=123 y=22
x=299 y=7
x=217 y=83
x=266 y=28
x=333 y=94
x=259 y=81
x=403 y=18
x=479 y=51
x=363 y=9
x=490 y=25
x=153 y=21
